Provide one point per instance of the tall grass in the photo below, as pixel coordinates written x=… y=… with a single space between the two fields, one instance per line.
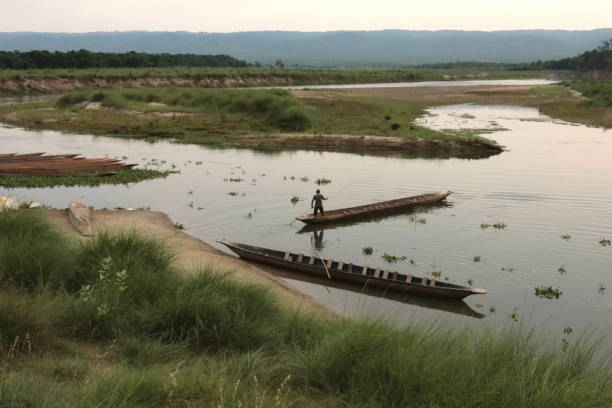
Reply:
x=275 y=108
x=173 y=339
x=32 y=254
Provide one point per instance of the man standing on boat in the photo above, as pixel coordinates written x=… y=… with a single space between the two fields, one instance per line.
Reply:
x=317 y=203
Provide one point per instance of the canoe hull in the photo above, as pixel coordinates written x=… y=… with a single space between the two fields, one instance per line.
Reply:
x=346 y=214
x=383 y=280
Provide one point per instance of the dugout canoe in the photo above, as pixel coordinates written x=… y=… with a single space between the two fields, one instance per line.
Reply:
x=343 y=214
x=354 y=274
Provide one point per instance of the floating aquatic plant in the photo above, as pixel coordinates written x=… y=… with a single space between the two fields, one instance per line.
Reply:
x=507 y=269
x=179 y=226
x=295 y=200
x=548 y=292
x=567 y=330
x=323 y=181
x=392 y=258
x=566 y=237
x=368 y=250
x=499 y=225
x=604 y=242
x=484 y=226
x=562 y=270
x=477 y=258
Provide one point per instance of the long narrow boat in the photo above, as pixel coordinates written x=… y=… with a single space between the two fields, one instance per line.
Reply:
x=355 y=274
x=373 y=209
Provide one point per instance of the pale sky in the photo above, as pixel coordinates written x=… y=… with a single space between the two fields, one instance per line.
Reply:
x=303 y=15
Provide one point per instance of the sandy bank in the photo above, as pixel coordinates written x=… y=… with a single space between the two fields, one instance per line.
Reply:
x=190 y=252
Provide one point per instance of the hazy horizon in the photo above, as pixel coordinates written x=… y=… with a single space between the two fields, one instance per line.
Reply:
x=70 y=16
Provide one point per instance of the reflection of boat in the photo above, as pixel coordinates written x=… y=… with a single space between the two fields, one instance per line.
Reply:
x=456 y=306
x=373 y=209
x=360 y=275
x=373 y=217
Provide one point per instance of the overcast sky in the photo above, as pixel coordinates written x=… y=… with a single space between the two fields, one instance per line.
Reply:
x=309 y=15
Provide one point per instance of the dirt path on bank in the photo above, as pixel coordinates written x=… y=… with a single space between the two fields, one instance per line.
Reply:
x=190 y=252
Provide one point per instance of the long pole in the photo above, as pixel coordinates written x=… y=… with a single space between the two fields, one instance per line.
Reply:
x=325 y=266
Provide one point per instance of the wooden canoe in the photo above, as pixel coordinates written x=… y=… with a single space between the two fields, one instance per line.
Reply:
x=355 y=274
x=373 y=209
x=39 y=164
x=80 y=218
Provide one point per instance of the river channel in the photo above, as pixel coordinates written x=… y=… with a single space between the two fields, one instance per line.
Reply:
x=554 y=179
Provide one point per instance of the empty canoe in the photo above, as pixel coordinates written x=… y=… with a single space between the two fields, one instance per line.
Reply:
x=355 y=274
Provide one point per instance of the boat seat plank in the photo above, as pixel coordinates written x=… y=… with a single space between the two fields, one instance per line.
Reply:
x=377 y=272
x=424 y=280
x=408 y=278
x=385 y=275
x=433 y=282
x=350 y=268
x=311 y=261
x=329 y=263
x=340 y=265
x=300 y=258
x=365 y=270
x=288 y=257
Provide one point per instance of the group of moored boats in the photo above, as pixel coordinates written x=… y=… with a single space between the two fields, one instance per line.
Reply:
x=356 y=274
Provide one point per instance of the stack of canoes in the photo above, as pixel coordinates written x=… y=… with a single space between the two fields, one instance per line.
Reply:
x=39 y=164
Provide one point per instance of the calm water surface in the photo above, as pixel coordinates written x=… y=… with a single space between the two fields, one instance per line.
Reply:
x=555 y=178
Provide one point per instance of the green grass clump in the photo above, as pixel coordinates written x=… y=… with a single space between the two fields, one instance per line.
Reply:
x=142 y=333
x=32 y=254
x=122 y=177
x=368 y=250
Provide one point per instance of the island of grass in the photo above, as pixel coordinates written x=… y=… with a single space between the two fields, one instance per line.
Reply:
x=113 y=321
x=260 y=119
x=120 y=177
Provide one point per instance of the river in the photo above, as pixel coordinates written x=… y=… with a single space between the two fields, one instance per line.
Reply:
x=554 y=179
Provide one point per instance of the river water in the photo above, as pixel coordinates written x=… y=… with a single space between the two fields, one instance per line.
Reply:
x=554 y=179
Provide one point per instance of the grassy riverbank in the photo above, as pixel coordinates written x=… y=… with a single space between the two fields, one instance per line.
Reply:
x=263 y=119
x=112 y=322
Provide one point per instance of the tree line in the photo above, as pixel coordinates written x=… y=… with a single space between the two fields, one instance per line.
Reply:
x=41 y=59
x=598 y=59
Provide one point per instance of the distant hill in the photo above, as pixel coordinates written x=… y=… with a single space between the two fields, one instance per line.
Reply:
x=335 y=48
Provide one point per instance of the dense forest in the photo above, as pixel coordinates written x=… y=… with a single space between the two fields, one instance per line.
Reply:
x=598 y=59
x=87 y=59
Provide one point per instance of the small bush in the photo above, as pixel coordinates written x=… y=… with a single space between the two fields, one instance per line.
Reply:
x=72 y=98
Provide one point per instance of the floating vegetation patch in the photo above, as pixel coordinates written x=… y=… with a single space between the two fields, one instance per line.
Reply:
x=436 y=274
x=499 y=226
x=233 y=180
x=507 y=269
x=485 y=226
x=562 y=270
x=515 y=314
x=548 y=292
x=477 y=258
x=492 y=309
x=601 y=289
x=121 y=177
x=566 y=237
x=393 y=259
x=567 y=330
x=179 y=226
x=604 y=242
x=234 y=193
x=367 y=250
x=295 y=199
x=322 y=181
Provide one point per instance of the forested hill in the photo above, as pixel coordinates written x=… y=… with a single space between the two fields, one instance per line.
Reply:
x=336 y=48
x=86 y=59
x=598 y=59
